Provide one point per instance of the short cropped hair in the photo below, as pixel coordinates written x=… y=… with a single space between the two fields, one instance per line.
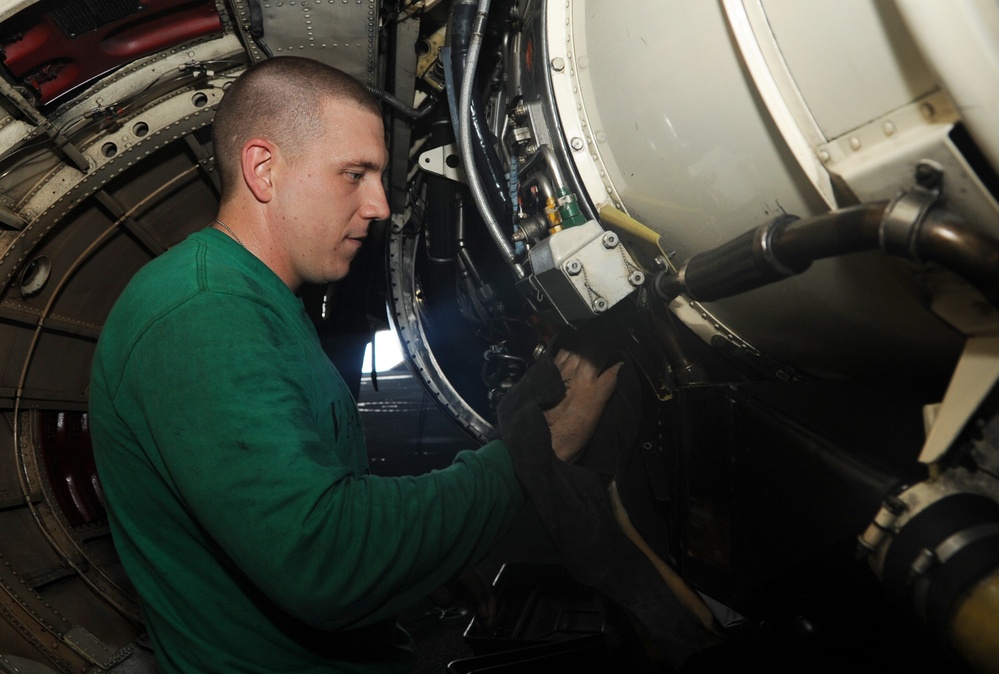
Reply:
x=281 y=100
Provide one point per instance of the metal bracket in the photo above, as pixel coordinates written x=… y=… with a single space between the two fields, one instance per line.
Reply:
x=444 y=161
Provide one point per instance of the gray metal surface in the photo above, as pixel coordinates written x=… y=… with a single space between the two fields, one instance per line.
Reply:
x=342 y=34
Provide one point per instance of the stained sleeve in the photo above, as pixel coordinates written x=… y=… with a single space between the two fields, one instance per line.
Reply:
x=227 y=396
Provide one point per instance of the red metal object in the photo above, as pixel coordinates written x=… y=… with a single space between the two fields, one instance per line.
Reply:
x=53 y=63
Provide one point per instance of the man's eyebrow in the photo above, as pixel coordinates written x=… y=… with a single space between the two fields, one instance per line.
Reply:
x=366 y=164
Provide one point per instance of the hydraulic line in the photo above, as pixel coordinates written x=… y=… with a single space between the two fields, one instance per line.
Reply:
x=787 y=246
x=684 y=366
x=544 y=185
x=546 y=153
x=479 y=195
x=408 y=111
x=454 y=57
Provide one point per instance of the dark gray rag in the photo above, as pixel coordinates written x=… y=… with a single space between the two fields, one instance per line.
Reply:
x=573 y=503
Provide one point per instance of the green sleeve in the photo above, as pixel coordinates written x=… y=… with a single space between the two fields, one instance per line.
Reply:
x=228 y=395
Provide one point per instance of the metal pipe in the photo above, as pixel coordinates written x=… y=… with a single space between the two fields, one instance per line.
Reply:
x=465 y=136
x=543 y=184
x=946 y=239
x=545 y=152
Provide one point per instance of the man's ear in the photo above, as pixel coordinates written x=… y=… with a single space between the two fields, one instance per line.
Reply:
x=257 y=163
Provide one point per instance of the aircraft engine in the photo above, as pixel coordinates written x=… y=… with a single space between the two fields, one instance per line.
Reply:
x=771 y=208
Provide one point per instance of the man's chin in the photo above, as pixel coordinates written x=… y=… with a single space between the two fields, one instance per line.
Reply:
x=338 y=274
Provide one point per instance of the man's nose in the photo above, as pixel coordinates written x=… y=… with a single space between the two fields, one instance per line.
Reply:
x=376 y=207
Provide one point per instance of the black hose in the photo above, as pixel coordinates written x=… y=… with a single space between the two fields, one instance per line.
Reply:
x=459 y=34
x=414 y=114
x=849 y=230
x=687 y=369
x=787 y=246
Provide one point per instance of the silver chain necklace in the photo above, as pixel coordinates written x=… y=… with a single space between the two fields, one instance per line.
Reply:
x=231 y=233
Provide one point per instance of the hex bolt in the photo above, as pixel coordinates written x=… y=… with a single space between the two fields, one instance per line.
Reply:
x=636 y=278
x=558 y=64
x=610 y=240
x=577 y=143
x=599 y=305
x=573 y=267
x=929 y=175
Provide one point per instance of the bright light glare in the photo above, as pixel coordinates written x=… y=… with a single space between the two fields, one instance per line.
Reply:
x=388 y=352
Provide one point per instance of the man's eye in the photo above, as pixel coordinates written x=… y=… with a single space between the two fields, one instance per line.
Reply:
x=355 y=176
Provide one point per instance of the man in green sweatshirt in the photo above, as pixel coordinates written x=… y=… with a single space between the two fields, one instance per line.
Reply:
x=229 y=449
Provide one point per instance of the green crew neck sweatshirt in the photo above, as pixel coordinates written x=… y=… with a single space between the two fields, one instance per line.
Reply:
x=232 y=459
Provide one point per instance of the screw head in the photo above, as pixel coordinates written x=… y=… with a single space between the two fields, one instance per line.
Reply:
x=610 y=240
x=929 y=174
x=636 y=278
x=599 y=305
x=573 y=267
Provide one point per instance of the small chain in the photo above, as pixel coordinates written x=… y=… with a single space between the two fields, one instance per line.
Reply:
x=231 y=233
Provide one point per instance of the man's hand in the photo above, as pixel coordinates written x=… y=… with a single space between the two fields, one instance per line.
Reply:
x=587 y=391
